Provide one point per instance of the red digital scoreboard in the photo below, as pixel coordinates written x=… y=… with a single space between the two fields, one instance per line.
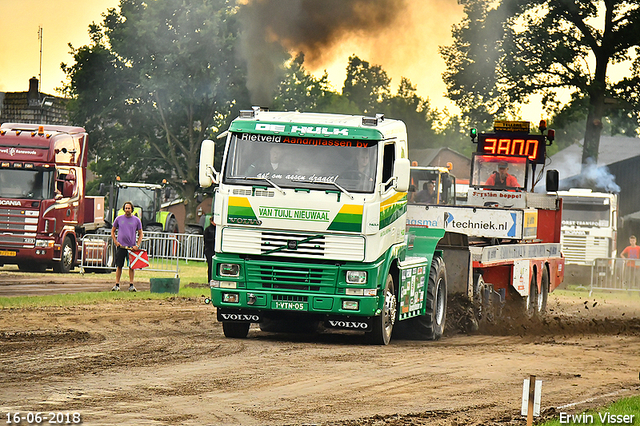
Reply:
x=507 y=143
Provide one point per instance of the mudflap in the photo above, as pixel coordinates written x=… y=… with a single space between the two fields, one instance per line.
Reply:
x=353 y=323
x=237 y=315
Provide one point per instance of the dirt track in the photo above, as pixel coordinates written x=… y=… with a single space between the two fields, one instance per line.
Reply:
x=166 y=362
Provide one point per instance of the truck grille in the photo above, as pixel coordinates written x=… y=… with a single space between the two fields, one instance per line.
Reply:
x=581 y=249
x=18 y=228
x=299 y=245
x=285 y=276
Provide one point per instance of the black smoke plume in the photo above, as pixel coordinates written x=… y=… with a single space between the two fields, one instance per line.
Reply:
x=273 y=29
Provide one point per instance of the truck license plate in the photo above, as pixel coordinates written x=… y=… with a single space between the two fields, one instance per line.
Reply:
x=290 y=306
x=7 y=253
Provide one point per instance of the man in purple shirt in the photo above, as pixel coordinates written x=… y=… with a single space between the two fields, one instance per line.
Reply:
x=128 y=226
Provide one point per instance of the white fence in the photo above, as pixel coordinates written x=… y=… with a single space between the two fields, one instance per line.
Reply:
x=609 y=273
x=164 y=250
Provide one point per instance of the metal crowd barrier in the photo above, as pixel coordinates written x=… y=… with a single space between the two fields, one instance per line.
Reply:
x=98 y=253
x=615 y=273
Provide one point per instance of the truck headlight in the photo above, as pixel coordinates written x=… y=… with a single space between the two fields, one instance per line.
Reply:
x=230 y=297
x=350 y=305
x=222 y=284
x=229 y=270
x=44 y=243
x=357 y=277
x=361 y=292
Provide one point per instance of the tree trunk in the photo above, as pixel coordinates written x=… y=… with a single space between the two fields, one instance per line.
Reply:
x=594 y=130
x=596 y=111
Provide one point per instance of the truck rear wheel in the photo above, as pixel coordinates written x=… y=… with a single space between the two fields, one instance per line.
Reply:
x=541 y=307
x=531 y=302
x=67 y=257
x=430 y=326
x=236 y=330
x=482 y=301
x=383 y=323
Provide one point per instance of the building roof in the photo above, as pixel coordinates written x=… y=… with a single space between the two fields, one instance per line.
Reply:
x=613 y=149
x=424 y=157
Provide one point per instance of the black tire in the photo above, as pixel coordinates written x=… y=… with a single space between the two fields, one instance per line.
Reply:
x=193 y=230
x=531 y=301
x=483 y=309
x=172 y=225
x=430 y=326
x=110 y=255
x=153 y=228
x=383 y=323
x=67 y=257
x=543 y=296
x=236 y=330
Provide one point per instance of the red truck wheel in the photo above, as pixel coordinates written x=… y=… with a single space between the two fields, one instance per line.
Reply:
x=67 y=257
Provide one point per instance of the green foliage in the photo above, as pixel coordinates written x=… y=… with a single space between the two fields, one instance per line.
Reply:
x=503 y=53
x=365 y=85
x=473 y=65
x=157 y=79
x=301 y=91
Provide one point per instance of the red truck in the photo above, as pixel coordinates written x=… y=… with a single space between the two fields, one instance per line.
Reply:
x=44 y=212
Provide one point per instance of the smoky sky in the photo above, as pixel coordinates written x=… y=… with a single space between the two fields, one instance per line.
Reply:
x=271 y=29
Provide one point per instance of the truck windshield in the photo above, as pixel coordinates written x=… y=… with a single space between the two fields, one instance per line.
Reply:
x=32 y=184
x=576 y=213
x=141 y=198
x=294 y=162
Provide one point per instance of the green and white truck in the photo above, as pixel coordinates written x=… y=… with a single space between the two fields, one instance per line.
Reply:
x=311 y=228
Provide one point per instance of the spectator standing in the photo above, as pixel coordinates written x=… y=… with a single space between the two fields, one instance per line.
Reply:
x=209 y=245
x=632 y=252
x=129 y=237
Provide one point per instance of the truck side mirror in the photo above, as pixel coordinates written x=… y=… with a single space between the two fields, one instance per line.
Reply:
x=68 y=186
x=553 y=181
x=207 y=174
x=401 y=171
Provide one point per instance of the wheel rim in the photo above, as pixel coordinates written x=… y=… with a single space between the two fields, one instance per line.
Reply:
x=67 y=256
x=389 y=311
x=532 y=299
x=479 y=298
x=440 y=298
x=539 y=302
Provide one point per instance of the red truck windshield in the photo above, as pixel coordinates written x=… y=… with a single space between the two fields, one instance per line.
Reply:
x=32 y=184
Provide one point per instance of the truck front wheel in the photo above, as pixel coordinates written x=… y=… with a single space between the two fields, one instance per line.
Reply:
x=383 y=323
x=67 y=257
x=236 y=330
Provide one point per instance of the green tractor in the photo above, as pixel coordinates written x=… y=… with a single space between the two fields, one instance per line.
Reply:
x=147 y=200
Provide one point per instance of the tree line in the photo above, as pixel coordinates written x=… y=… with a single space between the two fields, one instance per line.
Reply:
x=160 y=76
